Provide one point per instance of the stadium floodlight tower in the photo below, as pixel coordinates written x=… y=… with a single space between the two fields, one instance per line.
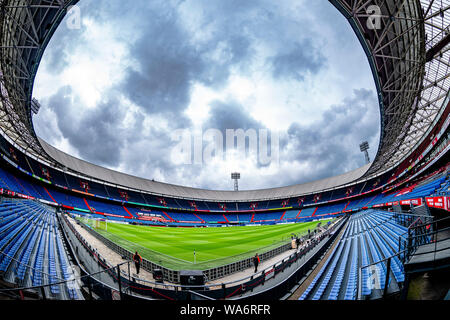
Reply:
x=236 y=176
x=364 y=147
x=35 y=106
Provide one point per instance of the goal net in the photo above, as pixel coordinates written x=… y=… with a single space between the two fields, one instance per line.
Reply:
x=101 y=224
x=95 y=223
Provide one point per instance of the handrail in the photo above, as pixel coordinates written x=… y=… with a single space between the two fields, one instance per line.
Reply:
x=359 y=287
x=382 y=260
x=64 y=281
x=432 y=240
x=422 y=234
x=435 y=221
x=28 y=266
x=200 y=295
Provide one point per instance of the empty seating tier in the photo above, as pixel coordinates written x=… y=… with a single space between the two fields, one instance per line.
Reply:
x=357 y=268
x=31 y=249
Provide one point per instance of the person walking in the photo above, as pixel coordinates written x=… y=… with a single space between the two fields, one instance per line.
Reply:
x=137 y=261
x=256 y=261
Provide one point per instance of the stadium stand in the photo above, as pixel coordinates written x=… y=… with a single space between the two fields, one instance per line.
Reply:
x=31 y=249
x=370 y=237
x=431 y=184
x=410 y=164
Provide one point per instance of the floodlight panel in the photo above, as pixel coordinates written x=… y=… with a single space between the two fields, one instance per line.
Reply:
x=364 y=146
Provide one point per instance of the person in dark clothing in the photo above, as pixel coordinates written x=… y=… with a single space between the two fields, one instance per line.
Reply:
x=256 y=262
x=137 y=261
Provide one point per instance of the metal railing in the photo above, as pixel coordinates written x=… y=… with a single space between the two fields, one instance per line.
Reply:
x=212 y=273
x=226 y=290
x=422 y=233
x=113 y=282
x=375 y=279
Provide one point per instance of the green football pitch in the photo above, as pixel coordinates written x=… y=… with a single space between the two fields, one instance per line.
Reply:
x=174 y=248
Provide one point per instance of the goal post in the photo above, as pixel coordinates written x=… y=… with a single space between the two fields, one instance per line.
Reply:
x=101 y=224
x=87 y=220
x=95 y=223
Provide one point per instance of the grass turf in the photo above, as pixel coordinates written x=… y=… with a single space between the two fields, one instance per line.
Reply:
x=174 y=248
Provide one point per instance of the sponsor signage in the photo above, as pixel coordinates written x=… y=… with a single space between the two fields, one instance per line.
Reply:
x=112 y=215
x=15 y=194
x=438 y=202
x=415 y=202
x=151 y=217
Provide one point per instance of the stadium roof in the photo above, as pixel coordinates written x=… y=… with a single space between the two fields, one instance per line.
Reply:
x=409 y=56
x=118 y=178
x=406 y=42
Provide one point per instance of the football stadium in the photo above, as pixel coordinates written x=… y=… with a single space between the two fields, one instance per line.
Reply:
x=70 y=229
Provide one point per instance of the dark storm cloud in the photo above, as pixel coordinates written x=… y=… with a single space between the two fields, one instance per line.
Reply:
x=230 y=115
x=330 y=146
x=168 y=62
x=167 y=68
x=49 y=131
x=58 y=57
x=302 y=59
x=95 y=133
x=233 y=50
x=148 y=155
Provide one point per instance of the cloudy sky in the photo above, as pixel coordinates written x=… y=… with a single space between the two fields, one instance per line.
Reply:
x=118 y=90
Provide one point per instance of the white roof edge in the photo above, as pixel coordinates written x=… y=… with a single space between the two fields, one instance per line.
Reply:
x=133 y=182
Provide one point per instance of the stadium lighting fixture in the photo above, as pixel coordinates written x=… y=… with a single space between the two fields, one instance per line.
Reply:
x=364 y=147
x=35 y=106
x=236 y=176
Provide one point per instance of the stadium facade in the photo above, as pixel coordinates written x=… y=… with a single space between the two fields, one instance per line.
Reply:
x=407 y=44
